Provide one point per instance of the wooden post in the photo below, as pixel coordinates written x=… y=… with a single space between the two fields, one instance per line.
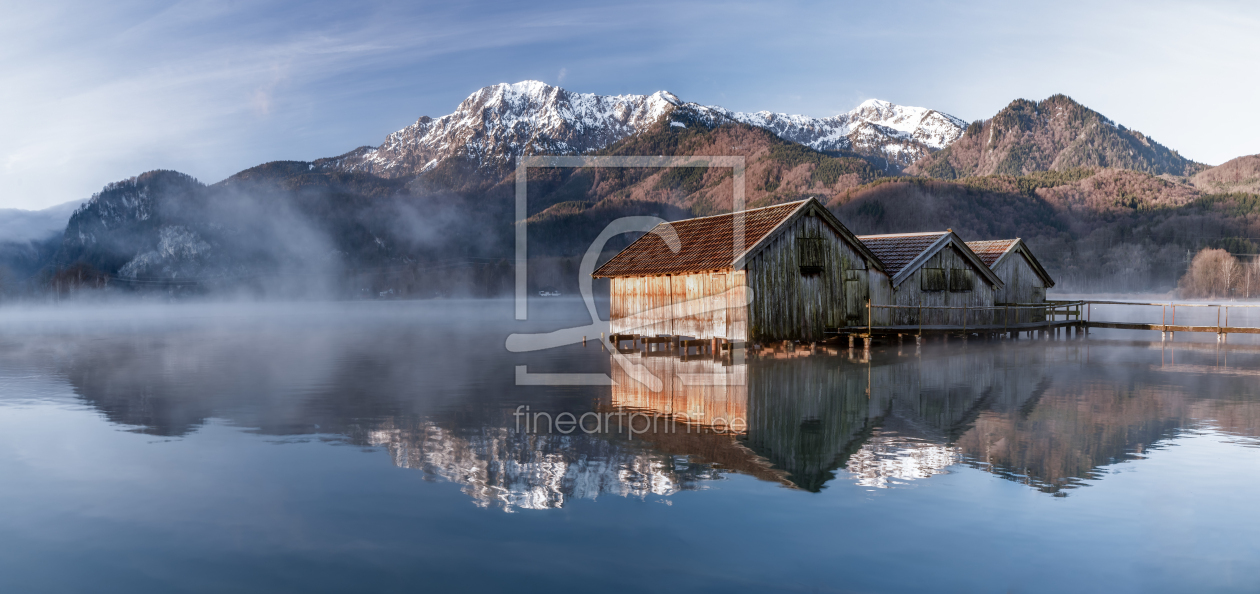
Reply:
x=1006 y=317
x=868 y=316
x=964 y=320
x=920 y=316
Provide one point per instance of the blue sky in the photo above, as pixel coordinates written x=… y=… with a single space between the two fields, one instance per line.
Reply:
x=95 y=92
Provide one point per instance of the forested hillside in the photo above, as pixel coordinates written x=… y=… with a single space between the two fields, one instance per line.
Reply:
x=1095 y=230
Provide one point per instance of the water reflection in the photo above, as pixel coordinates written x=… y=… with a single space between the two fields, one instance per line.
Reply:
x=1050 y=415
x=508 y=469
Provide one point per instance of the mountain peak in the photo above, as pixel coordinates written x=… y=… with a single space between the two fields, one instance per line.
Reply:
x=1056 y=133
x=526 y=89
x=874 y=103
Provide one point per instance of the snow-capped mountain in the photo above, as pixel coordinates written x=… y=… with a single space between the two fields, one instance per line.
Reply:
x=501 y=122
x=899 y=133
x=510 y=470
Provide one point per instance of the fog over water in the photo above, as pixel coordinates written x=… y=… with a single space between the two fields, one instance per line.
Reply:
x=374 y=446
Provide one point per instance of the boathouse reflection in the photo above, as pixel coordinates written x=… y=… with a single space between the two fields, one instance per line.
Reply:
x=809 y=415
x=1019 y=411
x=1039 y=413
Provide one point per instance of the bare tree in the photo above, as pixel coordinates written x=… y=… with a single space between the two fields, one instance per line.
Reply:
x=1213 y=273
x=1249 y=282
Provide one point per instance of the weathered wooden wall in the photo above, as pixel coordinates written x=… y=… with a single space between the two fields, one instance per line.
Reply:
x=910 y=292
x=673 y=305
x=1023 y=285
x=791 y=305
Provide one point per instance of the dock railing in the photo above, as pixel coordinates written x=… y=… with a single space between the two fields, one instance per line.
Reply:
x=990 y=318
x=1168 y=318
x=1048 y=316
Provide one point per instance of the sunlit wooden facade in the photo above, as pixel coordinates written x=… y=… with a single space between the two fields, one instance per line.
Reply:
x=802 y=274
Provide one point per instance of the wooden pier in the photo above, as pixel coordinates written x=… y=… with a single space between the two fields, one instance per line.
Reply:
x=1050 y=320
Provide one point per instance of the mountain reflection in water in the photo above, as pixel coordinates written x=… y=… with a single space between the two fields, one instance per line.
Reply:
x=1050 y=415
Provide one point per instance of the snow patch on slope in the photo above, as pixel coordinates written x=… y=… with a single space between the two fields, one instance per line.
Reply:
x=499 y=123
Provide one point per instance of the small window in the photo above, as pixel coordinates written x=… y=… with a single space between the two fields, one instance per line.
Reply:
x=810 y=254
x=961 y=280
x=933 y=279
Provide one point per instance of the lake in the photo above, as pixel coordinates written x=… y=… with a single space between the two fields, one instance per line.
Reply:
x=387 y=447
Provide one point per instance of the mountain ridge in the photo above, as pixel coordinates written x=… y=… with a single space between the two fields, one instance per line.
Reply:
x=498 y=123
x=1056 y=133
x=389 y=220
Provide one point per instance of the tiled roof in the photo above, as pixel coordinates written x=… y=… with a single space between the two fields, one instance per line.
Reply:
x=898 y=250
x=990 y=250
x=707 y=244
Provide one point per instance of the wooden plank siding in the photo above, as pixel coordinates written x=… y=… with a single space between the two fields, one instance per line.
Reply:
x=1023 y=284
x=910 y=293
x=789 y=304
x=675 y=301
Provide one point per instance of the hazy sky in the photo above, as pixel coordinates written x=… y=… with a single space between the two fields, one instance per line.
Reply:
x=95 y=92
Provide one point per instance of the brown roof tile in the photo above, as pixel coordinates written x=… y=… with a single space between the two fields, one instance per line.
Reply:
x=990 y=250
x=707 y=244
x=897 y=250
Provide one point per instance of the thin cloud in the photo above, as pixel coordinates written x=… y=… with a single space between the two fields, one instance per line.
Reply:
x=100 y=92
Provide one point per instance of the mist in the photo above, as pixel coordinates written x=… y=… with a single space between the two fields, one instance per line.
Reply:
x=279 y=231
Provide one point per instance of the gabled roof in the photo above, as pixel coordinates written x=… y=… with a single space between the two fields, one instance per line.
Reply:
x=897 y=251
x=708 y=242
x=993 y=251
x=904 y=253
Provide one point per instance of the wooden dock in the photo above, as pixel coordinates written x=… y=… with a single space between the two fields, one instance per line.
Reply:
x=1170 y=328
x=1053 y=320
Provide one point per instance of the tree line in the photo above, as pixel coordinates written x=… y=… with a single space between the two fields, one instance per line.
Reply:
x=1216 y=274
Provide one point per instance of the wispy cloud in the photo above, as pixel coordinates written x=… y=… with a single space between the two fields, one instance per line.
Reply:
x=96 y=92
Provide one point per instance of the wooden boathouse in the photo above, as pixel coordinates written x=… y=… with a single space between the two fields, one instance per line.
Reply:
x=807 y=274
x=804 y=277
x=1025 y=280
x=928 y=271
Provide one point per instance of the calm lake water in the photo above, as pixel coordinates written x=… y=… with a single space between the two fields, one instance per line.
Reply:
x=379 y=447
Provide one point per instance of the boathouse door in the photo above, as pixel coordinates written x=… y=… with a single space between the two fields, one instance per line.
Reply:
x=854 y=298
